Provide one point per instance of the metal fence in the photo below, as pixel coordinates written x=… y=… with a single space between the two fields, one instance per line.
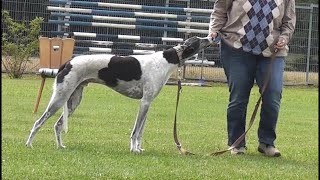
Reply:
x=302 y=64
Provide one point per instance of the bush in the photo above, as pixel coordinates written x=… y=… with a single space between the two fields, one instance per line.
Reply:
x=19 y=43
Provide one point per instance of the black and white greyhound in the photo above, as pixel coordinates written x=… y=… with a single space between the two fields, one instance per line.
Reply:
x=137 y=76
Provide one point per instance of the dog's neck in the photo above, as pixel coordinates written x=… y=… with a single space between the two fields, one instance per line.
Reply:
x=174 y=55
x=179 y=51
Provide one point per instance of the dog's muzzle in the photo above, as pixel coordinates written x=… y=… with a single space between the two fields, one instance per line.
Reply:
x=206 y=41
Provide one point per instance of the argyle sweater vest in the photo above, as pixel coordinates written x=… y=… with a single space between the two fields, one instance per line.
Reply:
x=257 y=23
x=254 y=26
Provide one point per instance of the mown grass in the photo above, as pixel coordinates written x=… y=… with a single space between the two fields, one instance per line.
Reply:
x=98 y=138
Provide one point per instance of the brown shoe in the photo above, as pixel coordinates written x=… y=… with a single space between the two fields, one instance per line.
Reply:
x=238 y=151
x=268 y=150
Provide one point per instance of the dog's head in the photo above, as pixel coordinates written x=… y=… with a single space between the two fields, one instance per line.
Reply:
x=186 y=50
x=193 y=45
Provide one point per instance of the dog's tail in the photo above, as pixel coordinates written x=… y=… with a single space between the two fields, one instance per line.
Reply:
x=65 y=118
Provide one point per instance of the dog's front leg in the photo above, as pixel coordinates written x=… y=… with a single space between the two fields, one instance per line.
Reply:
x=139 y=142
x=135 y=145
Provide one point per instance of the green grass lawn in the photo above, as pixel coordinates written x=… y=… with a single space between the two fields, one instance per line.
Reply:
x=99 y=136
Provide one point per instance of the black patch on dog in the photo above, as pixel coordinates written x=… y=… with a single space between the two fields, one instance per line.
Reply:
x=63 y=71
x=171 y=56
x=193 y=45
x=120 y=68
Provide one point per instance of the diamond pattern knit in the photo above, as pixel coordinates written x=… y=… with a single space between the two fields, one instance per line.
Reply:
x=257 y=28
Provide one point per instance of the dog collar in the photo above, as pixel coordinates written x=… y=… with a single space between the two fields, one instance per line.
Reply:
x=179 y=51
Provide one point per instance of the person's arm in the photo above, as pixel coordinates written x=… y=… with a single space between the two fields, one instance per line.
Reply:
x=218 y=16
x=288 y=24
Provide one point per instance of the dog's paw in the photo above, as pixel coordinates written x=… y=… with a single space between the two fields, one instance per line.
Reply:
x=29 y=145
x=137 y=151
x=62 y=146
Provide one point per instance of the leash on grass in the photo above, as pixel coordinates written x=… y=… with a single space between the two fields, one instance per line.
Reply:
x=253 y=116
x=175 y=136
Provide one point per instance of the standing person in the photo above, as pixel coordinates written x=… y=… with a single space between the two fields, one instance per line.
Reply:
x=251 y=31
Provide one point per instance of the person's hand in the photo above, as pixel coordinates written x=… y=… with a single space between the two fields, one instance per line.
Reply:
x=213 y=35
x=281 y=44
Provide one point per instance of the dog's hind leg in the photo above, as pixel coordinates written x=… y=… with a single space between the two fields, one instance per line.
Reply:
x=61 y=124
x=138 y=126
x=75 y=98
x=54 y=105
x=61 y=93
x=68 y=109
x=57 y=131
